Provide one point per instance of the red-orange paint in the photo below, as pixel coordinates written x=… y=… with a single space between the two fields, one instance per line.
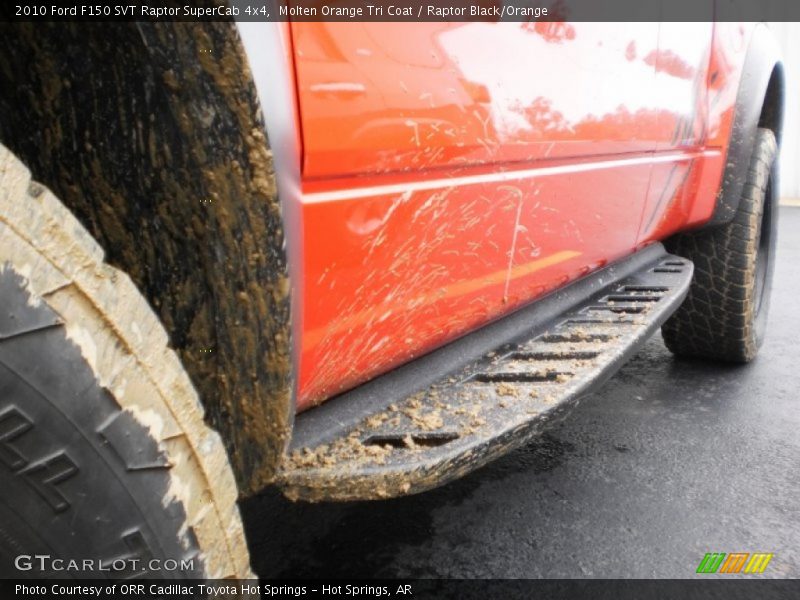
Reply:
x=452 y=172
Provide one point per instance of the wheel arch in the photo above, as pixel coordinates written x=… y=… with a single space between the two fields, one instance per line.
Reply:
x=759 y=103
x=771 y=116
x=152 y=135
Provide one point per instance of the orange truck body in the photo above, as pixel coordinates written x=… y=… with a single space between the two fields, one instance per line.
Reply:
x=451 y=173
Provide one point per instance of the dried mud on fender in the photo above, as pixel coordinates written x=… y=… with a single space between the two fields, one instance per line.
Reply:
x=151 y=134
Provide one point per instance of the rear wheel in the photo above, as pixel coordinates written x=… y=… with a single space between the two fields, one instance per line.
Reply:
x=724 y=315
x=104 y=454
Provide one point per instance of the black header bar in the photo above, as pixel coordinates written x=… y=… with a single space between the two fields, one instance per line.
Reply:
x=403 y=10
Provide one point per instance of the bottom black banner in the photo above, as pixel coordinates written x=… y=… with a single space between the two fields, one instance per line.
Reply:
x=575 y=589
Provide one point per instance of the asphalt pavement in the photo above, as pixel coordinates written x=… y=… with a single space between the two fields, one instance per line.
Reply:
x=669 y=460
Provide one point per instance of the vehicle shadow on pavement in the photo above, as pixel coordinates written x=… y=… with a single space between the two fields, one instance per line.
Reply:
x=359 y=539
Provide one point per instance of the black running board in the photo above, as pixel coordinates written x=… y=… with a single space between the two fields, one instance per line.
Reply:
x=476 y=399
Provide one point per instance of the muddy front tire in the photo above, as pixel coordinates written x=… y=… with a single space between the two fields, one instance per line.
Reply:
x=725 y=313
x=104 y=454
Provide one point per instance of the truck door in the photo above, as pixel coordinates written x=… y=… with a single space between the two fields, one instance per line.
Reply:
x=455 y=171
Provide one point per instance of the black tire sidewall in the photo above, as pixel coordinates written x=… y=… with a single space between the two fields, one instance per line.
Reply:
x=769 y=227
x=71 y=488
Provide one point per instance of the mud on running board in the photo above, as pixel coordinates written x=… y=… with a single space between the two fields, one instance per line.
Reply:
x=456 y=409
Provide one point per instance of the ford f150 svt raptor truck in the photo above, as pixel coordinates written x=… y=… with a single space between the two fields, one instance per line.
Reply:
x=350 y=260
